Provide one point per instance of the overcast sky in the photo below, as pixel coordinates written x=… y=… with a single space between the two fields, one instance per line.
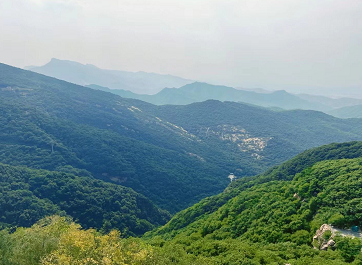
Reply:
x=298 y=45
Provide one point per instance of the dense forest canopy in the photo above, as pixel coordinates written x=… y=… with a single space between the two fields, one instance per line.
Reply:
x=174 y=155
x=29 y=195
x=277 y=212
x=285 y=171
x=263 y=222
x=82 y=147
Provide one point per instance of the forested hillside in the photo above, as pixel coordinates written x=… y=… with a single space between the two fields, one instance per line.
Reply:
x=27 y=195
x=284 y=172
x=112 y=138
x=174 y=155
x=278 y=212
x=271 y=136
x=272 y=218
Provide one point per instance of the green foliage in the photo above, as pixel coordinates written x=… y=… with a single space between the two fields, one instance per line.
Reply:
x=169 y=154
x=275 y=213
x=301 y=237
x=174 y=155
x=337 y=220
x=326 y=187
x=285 y=171
x=350 y=248
x=327 y=235
x=56 y=240
x=29 y=195
x=266 y=223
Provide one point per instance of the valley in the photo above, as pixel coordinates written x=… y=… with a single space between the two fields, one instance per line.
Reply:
x=174 y=155
x=180 y=132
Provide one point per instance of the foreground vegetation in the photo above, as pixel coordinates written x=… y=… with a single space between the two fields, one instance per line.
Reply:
x=59 y=241
x=269 y=219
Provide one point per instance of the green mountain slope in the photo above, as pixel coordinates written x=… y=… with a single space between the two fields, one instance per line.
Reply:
x=29 y=195
x=347 y=112
x=267 y=219
x=269 y=136
x=102 y=133
x=174 y=155
x=268 y=213
x=284 y=172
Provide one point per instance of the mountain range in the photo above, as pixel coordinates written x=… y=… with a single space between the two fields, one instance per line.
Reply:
x=138 y=82
x=112 y=162
x=165 y=89
x=198 y=92
x=173 y=155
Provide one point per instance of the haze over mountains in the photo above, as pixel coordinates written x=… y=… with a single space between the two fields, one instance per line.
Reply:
x=164 y=89
x=197 y=92
x=181 y=132
x=77 y=73
x=347 y=112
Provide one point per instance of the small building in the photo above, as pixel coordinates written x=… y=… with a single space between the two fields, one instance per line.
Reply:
x=231 y=177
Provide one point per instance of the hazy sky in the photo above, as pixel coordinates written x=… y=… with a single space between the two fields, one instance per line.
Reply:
x=297 y=45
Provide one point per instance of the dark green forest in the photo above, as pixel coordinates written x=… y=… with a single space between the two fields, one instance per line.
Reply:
x=277 y=212
x=27 y=196
x=283 y=172
x=83 y=173
x=174 y=155
x=266 y=219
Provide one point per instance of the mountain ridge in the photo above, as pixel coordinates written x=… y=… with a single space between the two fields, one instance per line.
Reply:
x=173 y=155
x=199 y=91
x=278 y=213
x=86 y=74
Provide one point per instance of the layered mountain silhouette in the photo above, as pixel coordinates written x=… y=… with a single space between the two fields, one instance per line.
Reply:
x=166 y=89
x=347 y=112
x=197 y=92
x=138 y=82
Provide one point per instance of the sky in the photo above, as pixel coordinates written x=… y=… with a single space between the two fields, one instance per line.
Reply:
x=302 y=46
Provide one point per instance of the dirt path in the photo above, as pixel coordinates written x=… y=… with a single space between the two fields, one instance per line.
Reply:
x=347 y=232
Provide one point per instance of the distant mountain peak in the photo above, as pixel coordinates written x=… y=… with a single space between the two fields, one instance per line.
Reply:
x=86 y=74
x=281 y=92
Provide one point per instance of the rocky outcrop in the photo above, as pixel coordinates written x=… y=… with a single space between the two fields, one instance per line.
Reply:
x=329 y=244
x=323 y=238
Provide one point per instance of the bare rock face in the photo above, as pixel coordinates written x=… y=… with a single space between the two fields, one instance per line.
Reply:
x=322 y=230
x=329 y=244
x=323 y=238
x=296 y=195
